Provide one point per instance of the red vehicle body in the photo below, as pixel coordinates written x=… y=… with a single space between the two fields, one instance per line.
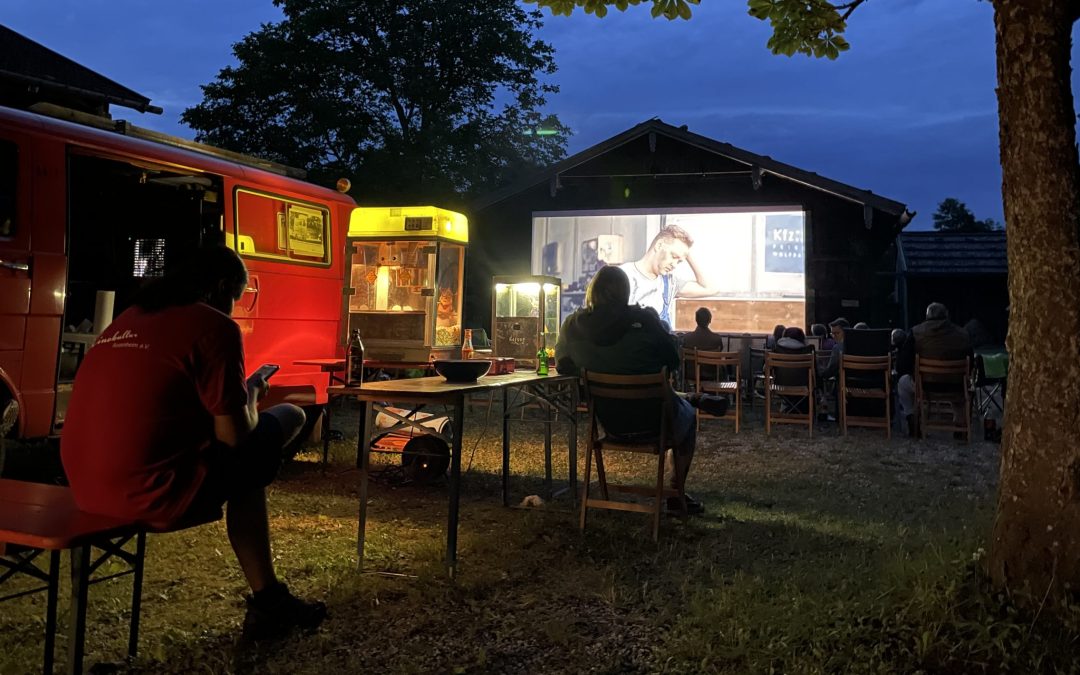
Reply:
x=84 y=210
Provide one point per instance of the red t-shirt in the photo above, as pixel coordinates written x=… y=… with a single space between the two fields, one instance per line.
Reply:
x=142 y=410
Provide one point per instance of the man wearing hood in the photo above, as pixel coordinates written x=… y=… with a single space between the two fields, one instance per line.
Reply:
x=610 y=336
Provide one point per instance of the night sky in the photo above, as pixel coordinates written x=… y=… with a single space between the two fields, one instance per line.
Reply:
x=909 y=112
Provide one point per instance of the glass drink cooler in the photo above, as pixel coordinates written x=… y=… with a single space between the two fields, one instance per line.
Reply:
x=404 y=282
x=525 y=316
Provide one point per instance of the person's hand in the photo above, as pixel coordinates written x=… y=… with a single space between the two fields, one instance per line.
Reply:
x=257 y=387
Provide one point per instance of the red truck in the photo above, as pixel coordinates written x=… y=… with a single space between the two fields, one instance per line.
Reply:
x=90 y=208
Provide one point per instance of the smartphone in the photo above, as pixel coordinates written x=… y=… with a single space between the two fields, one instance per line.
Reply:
x=266 y=371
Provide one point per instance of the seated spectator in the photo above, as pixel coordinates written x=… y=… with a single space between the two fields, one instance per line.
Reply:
x=820 y=331
x=935 y=338
x=978 y=334
x=862 y=325
x=793 y=341
x=896 y=340
x=702 y=337
x=777 y=333
x=837 y=328
x=610 y=336
x=162 y=427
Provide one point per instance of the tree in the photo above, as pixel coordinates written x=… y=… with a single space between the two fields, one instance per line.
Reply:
x=1035 y=544
x=412 y=102
x=953 y=215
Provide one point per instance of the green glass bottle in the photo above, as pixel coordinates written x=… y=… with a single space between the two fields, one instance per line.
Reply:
x=541 y=357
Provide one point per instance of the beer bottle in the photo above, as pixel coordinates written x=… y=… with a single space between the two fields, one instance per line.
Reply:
x=467 y=348
x=354 y=364
x=541 y=357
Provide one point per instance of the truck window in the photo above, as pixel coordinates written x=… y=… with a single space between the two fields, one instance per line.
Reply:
x=276 y=227
x=9 y=164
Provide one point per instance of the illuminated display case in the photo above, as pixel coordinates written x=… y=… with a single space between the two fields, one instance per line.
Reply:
x=404 y=283
x=525 y=314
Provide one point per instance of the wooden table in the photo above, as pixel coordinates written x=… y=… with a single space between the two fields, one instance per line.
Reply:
x=554 y=392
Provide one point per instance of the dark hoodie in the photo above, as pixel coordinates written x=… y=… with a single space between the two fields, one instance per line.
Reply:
x=629 y=340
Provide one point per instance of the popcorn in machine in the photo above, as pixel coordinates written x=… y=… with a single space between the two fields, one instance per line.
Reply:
x=404 y=281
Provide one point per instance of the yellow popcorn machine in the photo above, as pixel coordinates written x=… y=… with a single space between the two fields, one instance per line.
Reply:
x=405 y=281
x=525 y=316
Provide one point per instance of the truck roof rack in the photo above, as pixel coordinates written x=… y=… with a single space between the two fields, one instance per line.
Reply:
x=128 y=129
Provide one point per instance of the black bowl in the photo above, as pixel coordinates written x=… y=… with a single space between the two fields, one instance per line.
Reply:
x=462 y=370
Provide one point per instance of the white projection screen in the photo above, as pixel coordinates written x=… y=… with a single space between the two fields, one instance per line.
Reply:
x=753 y=262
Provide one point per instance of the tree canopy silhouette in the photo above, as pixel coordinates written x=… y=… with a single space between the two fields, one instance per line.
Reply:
x=953 y=215
x=410 y=101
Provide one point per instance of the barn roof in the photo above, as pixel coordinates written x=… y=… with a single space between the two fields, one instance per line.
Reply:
x=951 y=253
x=28 y=66
x=753 y=162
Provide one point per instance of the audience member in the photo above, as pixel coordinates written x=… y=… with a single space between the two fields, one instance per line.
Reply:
x=777 y=333
x=793 y=341
x=610 y=336
x=703 y=337
x=978 y=334
x=862 y=325
x=935 y=338
x=162 y=427
x=837 y=328
x=819 y=330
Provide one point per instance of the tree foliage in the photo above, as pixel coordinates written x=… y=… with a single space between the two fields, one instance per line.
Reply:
x=409 y=100
x=811 y=27
x=953 y=215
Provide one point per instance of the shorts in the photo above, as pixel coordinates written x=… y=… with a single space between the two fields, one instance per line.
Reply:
x=230 y=472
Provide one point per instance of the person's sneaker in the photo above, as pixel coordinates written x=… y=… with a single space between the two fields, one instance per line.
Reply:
x=274 y=612
x=693 y=506
x=710 y=405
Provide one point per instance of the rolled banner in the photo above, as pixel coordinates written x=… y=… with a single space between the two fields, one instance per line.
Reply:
x=103 y=310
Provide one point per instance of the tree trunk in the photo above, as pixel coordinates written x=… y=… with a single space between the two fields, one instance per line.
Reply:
x=1035 y=548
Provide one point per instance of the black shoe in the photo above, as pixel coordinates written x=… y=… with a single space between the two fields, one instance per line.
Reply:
x=693 y=506
x=274 y=612
x=710 y=405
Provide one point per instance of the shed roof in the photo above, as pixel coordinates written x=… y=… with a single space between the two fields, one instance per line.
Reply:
x=951 y=253
x=752 y=161
x=26 y=63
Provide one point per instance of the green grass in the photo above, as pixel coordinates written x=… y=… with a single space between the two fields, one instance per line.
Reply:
x=815 y=556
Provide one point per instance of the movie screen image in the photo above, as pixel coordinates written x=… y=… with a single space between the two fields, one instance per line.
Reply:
x=747 y=267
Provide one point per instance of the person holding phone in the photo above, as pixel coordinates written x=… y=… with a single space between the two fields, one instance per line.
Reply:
x=163 y=426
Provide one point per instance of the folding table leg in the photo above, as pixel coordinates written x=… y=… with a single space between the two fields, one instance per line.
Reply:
x=455 y=488
x=548 y=483
x=50 y=610
x=80 y=581
x=363 y=456
x=136 y=593
x=506 y=446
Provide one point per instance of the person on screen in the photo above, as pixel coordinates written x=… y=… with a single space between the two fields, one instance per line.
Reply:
x=653 y=282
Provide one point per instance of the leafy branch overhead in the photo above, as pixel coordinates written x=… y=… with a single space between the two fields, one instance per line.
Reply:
x=811 y=27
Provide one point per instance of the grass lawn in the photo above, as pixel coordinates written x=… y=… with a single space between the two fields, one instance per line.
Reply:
x=814 y=556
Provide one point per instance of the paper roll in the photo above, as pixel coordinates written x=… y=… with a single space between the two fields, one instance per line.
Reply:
x=103 y=310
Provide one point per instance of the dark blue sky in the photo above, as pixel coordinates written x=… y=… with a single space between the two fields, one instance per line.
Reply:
x=909 y=112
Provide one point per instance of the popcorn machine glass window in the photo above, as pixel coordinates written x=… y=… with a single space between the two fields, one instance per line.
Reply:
x=404 y=281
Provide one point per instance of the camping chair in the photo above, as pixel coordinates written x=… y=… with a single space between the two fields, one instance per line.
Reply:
x=741 y=344
x=713 y=373
x=646 y=399
x=755 y=380
x=943 y=382
x=791 y=377
x=991 y=376
x=870 y=379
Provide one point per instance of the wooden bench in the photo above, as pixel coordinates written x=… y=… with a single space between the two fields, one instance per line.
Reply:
x=35 y=518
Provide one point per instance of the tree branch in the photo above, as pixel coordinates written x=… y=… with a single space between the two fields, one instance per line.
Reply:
x=848 y=8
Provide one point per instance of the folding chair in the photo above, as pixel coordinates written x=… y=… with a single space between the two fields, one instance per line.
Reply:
x=646 y=400
x=991 y=376
x=943 y=382
x=790 y=376
x=870 y=379
x=717 y=380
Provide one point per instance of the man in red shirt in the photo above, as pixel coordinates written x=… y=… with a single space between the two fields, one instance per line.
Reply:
x=163 y=426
